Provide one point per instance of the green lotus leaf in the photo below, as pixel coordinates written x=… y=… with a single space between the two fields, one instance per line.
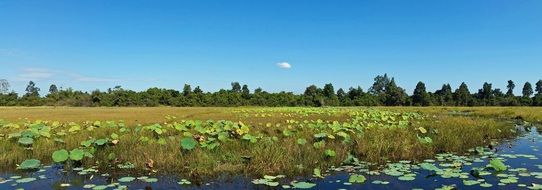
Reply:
x=188 y=143
x=303 y=185
x=29 y=164
x=77 y=154
x=60 y=155
x=26 y=141
x=356 y=179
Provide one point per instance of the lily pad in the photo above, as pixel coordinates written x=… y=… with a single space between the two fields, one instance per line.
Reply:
x=101 y=142
x=88 y=186
x=29 y=164
x=99 y=187
x=77 y=154
x=303 y=185
x=470 y=182
x=184 y=182
x=26 y=141
x=486 y=185
x=151 y=180
x=498 y=165
x=60 y=155
x=126 y=179
x=357 y=179
x=188 y=143
x=406 y=178
x=378 y=182
x=26 y=180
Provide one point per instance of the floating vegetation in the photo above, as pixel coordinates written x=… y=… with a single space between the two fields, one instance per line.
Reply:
x=29 y=164
x=126 y=179
x=311 y=150
x=60 y=155
x=497 y=165
x=26 y=180
x=184 y=182
x=357 y=179
x=302 y=185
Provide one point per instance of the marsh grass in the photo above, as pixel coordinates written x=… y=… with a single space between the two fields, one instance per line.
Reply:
x=267 y=157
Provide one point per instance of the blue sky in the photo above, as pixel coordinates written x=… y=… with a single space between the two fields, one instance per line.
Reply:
x=140 y=44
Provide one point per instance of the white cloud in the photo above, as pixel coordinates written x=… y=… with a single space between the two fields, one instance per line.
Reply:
x=39 y=74
x=284 y=65
x=35 y=74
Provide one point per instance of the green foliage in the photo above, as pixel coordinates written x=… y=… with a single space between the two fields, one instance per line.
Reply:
x=303 y=185
x=317 y=173
x=77 y=154
x=29 y=164
x=430 y=167
x=188 y=143
x=425 y=140
x=301 y=141
x=26 y=180
x=330 y=153
x=60 y=155
x=384 y=91
x=26 y=141
x=126 y=179
x=101 y=142
x=260 y=143
x=357 y=179
x=497 y=165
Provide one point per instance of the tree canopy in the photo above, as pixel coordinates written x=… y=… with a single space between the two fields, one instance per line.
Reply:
x=383 y=92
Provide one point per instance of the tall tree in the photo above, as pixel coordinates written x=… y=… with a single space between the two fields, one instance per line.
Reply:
x=31 y=89
x=313 y=96
x=341 y=94
x=4 y=86
x=258 y=90
x=420 y=96
x=485 y=94
x=537 y=99
x=245 y=92
x=462 y=95
x=354 y=93
x=379 y=85
x=539 y=87
x=329 y=91
x=486 y=91
x=236 y=87
x=198 y=90
x=331 y=98
x=445 y=95
x=312 y=90
x=187 y=89
x=510 y=87
x=53 y=89
x=394 y=95
x=527 y=90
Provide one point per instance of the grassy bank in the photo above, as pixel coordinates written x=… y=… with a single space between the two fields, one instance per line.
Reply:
x=250 y=141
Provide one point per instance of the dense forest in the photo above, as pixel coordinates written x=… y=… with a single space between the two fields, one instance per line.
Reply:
x=383 y=92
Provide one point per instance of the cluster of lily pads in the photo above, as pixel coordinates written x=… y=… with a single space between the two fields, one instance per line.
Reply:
x=210 y=135
x=480 y=167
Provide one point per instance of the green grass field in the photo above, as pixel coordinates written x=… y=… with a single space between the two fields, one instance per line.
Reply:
x=249 y=141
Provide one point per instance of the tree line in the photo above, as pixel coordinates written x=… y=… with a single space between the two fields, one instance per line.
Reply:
x=383 y=92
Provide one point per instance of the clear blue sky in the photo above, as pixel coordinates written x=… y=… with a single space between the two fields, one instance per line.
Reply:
x=139 y=44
